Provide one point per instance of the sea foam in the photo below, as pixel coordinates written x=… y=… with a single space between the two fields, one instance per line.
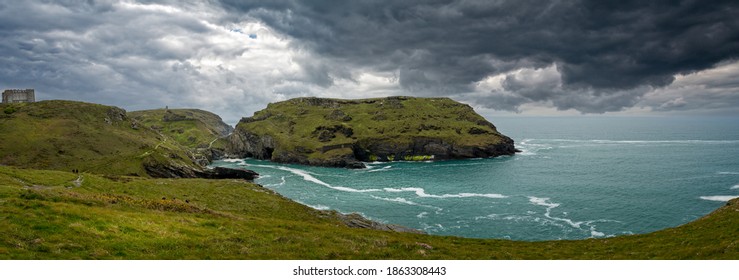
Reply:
x=544 y=201
x=397 y=199
x=318 y=206
x=281 y=183
x=310 y=178
x=386 y=168
x=723 y=198
x=420 y=192
x=531 y=149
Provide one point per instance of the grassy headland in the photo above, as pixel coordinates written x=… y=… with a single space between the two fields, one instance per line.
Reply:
x=66 y=135
x=335 y=132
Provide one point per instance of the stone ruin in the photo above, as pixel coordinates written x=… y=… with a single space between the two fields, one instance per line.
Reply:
x=19 y=95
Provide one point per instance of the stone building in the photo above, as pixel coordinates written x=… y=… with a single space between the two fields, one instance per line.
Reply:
x=19 y=95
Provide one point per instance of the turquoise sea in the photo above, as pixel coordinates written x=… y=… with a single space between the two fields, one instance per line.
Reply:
x=576 y=178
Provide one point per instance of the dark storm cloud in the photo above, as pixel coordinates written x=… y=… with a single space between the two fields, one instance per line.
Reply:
x=233 y=57
x=91 y=50
x=609 y=52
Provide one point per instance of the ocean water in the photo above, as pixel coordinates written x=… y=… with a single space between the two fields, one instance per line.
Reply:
x=576 y=178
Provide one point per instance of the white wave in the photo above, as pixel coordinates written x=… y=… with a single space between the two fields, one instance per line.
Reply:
x=318 y=206
x=308 y=177
x=727 y=173
x=507 y=217
x=346 y=189
x=422 y=215
x=735 y=187
x=397 y=199
x=422 y=193
x=281 y=183
x=373 y=164
x=386 y=168
x=594 y=233
x=405 y=201
x=722 y=198
x=544 y=201
x=531 y=149
x=233 y=160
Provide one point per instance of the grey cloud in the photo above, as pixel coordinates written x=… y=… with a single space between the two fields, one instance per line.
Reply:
x=601 y=48
x=97 y=51
x=583 y=100
x=712 y=91
x=591 y=56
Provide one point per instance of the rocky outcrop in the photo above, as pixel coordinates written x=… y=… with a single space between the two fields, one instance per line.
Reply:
x=115 y=114
x=230 y=173
x=243 y=144
x=355 y=220
x=168 y=169
x=427 y=149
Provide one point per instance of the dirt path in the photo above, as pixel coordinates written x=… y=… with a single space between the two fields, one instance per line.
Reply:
x=164 y=140
x=78 y=182
x=211 y=143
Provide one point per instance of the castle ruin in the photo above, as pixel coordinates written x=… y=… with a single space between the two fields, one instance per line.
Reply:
x=19 y=95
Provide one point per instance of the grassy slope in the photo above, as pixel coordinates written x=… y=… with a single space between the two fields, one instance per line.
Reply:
x=66 y=135
x=45 y=215
x=293 y=123
x=193 y=128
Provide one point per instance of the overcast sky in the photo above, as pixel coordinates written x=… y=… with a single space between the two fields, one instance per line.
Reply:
x=502 y=57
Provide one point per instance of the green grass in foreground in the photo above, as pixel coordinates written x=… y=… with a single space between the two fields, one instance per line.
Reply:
x=58 y=215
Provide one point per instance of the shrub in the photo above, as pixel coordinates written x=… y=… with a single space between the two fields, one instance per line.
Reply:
x=10 y=110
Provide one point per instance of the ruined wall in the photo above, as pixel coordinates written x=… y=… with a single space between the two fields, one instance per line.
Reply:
x=19 y=95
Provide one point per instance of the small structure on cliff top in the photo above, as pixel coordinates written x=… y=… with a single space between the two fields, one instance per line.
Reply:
x=19 y=95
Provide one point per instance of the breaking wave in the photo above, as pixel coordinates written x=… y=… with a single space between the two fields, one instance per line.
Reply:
x=420 y=192
x=310 y=178
x=722 y=198
x=386 y=168
x=544 y=201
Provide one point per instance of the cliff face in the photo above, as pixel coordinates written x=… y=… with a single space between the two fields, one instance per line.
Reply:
x=344 y=133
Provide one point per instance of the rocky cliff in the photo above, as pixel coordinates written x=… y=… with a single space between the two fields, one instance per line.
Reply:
x=345 y=133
